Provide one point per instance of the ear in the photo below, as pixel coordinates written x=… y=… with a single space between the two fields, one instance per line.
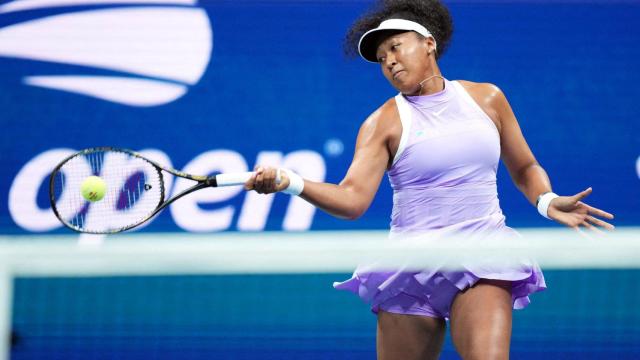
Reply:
x=431 y=45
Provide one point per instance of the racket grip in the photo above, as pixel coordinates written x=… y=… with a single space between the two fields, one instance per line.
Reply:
x=232 y=179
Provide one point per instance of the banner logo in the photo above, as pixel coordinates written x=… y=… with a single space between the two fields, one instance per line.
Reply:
x=135 y=55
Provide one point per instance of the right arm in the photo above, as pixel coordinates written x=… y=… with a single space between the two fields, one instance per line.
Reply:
x=352 y=196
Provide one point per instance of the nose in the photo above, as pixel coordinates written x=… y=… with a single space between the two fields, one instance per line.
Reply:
x=390 y=61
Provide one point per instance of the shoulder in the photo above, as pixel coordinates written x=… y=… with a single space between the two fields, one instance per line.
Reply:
x=384 y=120
x=386 y=111
x=490 y=98
x=382 y=130
x=482 y=87
x=486 y=92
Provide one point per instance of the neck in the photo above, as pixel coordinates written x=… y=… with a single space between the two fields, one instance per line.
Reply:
x=431 y=85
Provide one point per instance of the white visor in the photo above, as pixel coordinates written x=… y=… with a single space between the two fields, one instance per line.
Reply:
x=367 y=47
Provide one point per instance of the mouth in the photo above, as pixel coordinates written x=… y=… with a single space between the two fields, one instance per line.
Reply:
x=397 y=74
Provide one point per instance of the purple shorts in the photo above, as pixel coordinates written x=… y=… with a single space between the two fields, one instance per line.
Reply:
x=437 y=306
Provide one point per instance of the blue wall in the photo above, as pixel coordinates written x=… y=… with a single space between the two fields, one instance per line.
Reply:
x=276 y=80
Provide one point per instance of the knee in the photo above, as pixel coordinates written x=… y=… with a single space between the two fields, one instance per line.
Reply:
x=481 y=345
x=480 y=350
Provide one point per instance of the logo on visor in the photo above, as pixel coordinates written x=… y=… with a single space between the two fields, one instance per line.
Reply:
x=133 y=55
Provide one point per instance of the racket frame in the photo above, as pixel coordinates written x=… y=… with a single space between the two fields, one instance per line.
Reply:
x=203 y=182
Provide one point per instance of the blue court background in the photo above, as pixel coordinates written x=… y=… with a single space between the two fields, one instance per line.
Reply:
x=277 y=81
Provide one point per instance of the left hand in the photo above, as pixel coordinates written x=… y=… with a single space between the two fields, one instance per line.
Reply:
x=571 y=211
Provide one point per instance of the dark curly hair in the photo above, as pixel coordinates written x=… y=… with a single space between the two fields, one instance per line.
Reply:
x=431 y=14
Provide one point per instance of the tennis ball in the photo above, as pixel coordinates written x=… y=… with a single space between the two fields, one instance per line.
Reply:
x=93 y=188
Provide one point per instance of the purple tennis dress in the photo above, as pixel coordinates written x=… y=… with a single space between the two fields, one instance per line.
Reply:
x=444 y=181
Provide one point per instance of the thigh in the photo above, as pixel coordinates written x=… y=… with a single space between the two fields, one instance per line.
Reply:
x=409 y=337
x=481 y=320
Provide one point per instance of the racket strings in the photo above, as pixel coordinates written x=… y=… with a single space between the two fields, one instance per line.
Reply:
x=134 y=189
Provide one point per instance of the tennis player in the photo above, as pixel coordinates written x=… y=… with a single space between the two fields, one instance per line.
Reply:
x=440 y=142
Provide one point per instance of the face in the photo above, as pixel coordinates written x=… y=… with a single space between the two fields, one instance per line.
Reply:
x=404 y=60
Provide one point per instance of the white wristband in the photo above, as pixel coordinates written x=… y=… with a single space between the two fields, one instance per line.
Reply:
x=296 y=183
x=543 y=203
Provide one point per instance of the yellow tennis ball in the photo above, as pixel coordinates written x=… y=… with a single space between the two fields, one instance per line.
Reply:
x=93 y=188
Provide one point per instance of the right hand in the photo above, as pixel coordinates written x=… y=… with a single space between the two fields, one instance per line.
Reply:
x=263 y=181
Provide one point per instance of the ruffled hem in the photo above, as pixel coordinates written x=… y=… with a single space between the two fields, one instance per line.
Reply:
x=430 y=286
x=436 y=286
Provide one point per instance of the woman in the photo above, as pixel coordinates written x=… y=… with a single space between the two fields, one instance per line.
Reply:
x=440 y=142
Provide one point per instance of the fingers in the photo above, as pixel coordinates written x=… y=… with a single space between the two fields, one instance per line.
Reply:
x=594 y=230
x=579 y=221
x=270 y=180
x=599 y=222
x=260 y=184
x=587 y=225
x=593 y=224
x=589 y=220
x=263 y=181
x=581 y=195
x=597 y=212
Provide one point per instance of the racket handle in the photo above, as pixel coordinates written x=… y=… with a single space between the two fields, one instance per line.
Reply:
x=232 y=179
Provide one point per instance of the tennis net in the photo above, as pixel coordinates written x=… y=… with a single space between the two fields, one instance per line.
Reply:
x=269 y=295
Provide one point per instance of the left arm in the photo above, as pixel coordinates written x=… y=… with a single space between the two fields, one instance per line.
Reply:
x=527 y=174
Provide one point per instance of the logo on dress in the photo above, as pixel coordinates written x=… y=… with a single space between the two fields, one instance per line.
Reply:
x=142 y=54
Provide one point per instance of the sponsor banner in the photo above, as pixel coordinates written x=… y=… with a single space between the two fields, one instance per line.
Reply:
x=208 y=87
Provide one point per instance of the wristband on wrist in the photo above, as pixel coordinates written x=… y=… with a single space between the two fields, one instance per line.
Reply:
x=543 y=202
x=296 y=183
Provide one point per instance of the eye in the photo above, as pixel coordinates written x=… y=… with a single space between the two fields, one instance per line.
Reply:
x=381 y=59
x=395 y=46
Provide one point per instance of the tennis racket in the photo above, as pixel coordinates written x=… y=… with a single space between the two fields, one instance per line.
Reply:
x=135 y=189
